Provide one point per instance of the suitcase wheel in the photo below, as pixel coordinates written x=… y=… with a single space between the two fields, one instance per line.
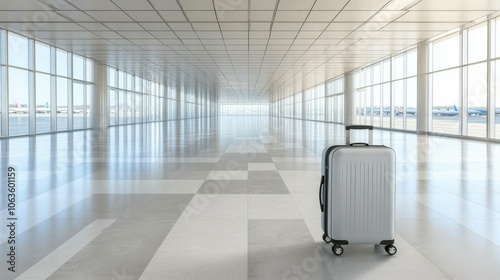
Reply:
x=391 y=249
x=337 y=250
x=326 y=238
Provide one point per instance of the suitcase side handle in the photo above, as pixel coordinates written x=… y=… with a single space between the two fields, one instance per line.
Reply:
x=322 y=183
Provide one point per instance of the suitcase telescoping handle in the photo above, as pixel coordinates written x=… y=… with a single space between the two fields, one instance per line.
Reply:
x=358 y=127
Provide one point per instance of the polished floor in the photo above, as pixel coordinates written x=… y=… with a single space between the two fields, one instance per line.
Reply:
x=236 y=198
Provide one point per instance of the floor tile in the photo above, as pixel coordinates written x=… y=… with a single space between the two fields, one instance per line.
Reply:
x=223 y=187
x=267 y=187
x=227 y=175
x=211 y=249
x=261 y=167
x=264 y=175
x=216 y=207
x=272 y=206
x=283 y=249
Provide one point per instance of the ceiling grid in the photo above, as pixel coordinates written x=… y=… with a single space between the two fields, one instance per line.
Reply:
x=244 y=50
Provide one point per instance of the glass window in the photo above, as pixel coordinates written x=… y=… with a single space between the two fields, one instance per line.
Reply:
x=42 y=106
x=112 y=108
x=376 y=74
x=377 y=103
x=62 y=63
x=398 y=90
x=78 y=105
x=88 y=110
x=386 y=70
x=130 y=106
x=411 y=63
x=496 y=98
x=477 y=100
x=78 y=67
x=386 y=110
x=398 y=67
x=121 y=79
x=130 y=79
x=17 y=50
x=18 y=102
x=496 y=48
x=89 y=70
x=138 y=84
x=3 y=83
x=112 y=77
x=122 y=110
x=138 y=108
x=446 y=52
x=477 y=43
x=445 y=97
x=42 y=55
x=62 y=104
x=411 y=104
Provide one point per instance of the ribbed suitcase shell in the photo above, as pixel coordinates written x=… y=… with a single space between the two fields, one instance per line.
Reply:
x=359 y=197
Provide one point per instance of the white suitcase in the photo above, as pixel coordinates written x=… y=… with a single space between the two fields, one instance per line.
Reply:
x=358 y=194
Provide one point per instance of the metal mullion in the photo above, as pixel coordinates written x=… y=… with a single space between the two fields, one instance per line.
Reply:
x=53 y=90
x=84 y=97
x=31 y=88
x=70 y=90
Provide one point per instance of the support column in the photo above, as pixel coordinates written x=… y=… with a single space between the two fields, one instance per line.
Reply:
x=99 y=109
x=349 y=93
x=423 y=114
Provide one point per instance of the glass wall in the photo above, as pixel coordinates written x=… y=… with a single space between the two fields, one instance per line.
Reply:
x=127 y=96
x=463 y=88
x=258 y=109
x=47 y=89
x=459 y=82
x=314 y=103
x=386 y=93
x=133 y=99
x=335 y=100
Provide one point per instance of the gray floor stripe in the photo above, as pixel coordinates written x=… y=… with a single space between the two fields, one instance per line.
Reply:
x=48 y=265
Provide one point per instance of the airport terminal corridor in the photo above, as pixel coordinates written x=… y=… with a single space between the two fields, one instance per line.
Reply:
x=237 y=198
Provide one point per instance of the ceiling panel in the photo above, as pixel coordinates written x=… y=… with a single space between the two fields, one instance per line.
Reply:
x=166 y=5
x=354 y=16
x=366 y=5
x=464 y=5
x=233 y=16
x=201 y=16
x=231 y=5
x=201 y=5
x=96 y=5
x=173 y=16
x=442 y=16
x=30 y=16
x=110 y=16
x=291 y=16
x=424 y=26
x=322 y=5
x=138 y=5
x=144 y=16
x=295 y=5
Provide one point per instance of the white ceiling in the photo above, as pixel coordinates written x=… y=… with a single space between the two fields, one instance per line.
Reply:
x=241 y=49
